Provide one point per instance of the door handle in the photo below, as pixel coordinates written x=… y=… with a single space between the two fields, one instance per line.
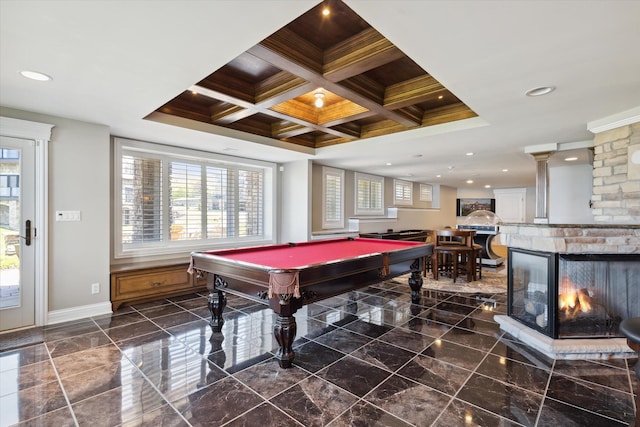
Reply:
x=27 y=232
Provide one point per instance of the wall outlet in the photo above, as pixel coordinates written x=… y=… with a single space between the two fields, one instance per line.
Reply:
x=95 y=288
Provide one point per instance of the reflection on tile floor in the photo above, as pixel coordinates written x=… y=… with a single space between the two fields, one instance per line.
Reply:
x=369 y=357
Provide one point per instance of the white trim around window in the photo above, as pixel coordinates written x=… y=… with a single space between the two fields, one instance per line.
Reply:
x=171 y=201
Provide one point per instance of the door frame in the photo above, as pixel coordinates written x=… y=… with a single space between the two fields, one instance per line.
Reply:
x=41 y=134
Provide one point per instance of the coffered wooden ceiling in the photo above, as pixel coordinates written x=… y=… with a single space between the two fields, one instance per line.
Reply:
x=368 y=85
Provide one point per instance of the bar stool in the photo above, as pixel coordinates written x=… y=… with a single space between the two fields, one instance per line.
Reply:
x=630 y=328
x=454 y=253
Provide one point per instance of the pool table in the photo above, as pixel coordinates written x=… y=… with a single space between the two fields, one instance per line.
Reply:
x=289 y=276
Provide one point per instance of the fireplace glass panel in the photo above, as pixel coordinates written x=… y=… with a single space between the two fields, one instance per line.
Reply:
x=595 y=293
x=531 y=275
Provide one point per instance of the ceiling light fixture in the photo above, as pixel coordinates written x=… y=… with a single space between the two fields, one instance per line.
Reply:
x=469 y=153
x=469 y=181
x=570 y=159
x=388 y=164
x=326 y=11
x=539 y=91
x=505 y=170
x=319 y=102
x=35 y=75
x=487 y=186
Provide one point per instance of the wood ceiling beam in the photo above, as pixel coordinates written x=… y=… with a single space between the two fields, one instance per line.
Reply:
x=276 y=59
x=447 y=113
x=251 y=109
x=358 y=54
x=412 y=91
x=280 y=88
x=228 y=115
x=349 y=119
x=285 y=129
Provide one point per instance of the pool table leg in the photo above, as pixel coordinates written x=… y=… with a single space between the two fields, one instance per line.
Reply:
x=285 y=332
x=216 y=304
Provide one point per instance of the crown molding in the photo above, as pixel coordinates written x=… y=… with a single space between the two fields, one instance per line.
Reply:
x=614 y=121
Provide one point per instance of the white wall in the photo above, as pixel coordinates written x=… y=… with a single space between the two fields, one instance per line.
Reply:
x=570 y=190
x=295 y=196
x=79 y=179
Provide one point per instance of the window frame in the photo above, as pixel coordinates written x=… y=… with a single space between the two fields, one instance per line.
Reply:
x=122 y=146
x=326 y=222
x=405 y=187
x=368 y=210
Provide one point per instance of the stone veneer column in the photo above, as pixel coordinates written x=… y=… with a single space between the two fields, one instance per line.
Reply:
x=616 y=176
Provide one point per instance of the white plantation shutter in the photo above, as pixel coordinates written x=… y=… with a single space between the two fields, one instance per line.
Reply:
x=333 y=198
x=250 y=203
x=426 y=193
x=185 y=200
x=402 y=192
x=141 y=200
x=369 y=194
x=218 y=203
x=171 y=201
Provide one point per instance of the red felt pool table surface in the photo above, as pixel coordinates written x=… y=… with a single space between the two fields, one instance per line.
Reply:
x=300 y=255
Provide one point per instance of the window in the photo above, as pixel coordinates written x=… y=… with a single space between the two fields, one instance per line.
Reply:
x=402 y=192
x=332 y=198
x=369 y=194
x=172 y=200
x=9 y=185
x=426 y=192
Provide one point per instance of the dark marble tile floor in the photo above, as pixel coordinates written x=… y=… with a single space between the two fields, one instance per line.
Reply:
x=366 y=358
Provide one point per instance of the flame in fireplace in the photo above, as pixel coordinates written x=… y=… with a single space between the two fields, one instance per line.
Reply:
x=573 y=300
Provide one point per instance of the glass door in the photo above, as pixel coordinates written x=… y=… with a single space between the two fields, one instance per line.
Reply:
x=17 y=233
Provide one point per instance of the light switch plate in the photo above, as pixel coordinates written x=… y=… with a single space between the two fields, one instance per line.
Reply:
x=67 y=215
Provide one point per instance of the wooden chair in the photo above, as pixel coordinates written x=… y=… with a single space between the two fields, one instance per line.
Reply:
x=426 y=265
x=454 y=253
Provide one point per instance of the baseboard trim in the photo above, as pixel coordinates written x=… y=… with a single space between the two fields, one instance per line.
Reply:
x=81 y=312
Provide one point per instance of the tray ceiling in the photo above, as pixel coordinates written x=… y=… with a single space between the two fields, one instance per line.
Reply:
x=368 y=86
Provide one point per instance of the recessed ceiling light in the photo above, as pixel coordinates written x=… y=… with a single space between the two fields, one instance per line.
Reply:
x=326 y=11
x=469 y=153
x=505 y=170
x=539 y=91
x=440 y=97
x=487 y=186
x=469 y=181
x=438 y=176
x=35 y=75
x=388 y=164
x=570 y=159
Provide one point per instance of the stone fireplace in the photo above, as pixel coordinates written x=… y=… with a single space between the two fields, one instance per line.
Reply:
x=571 y=285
